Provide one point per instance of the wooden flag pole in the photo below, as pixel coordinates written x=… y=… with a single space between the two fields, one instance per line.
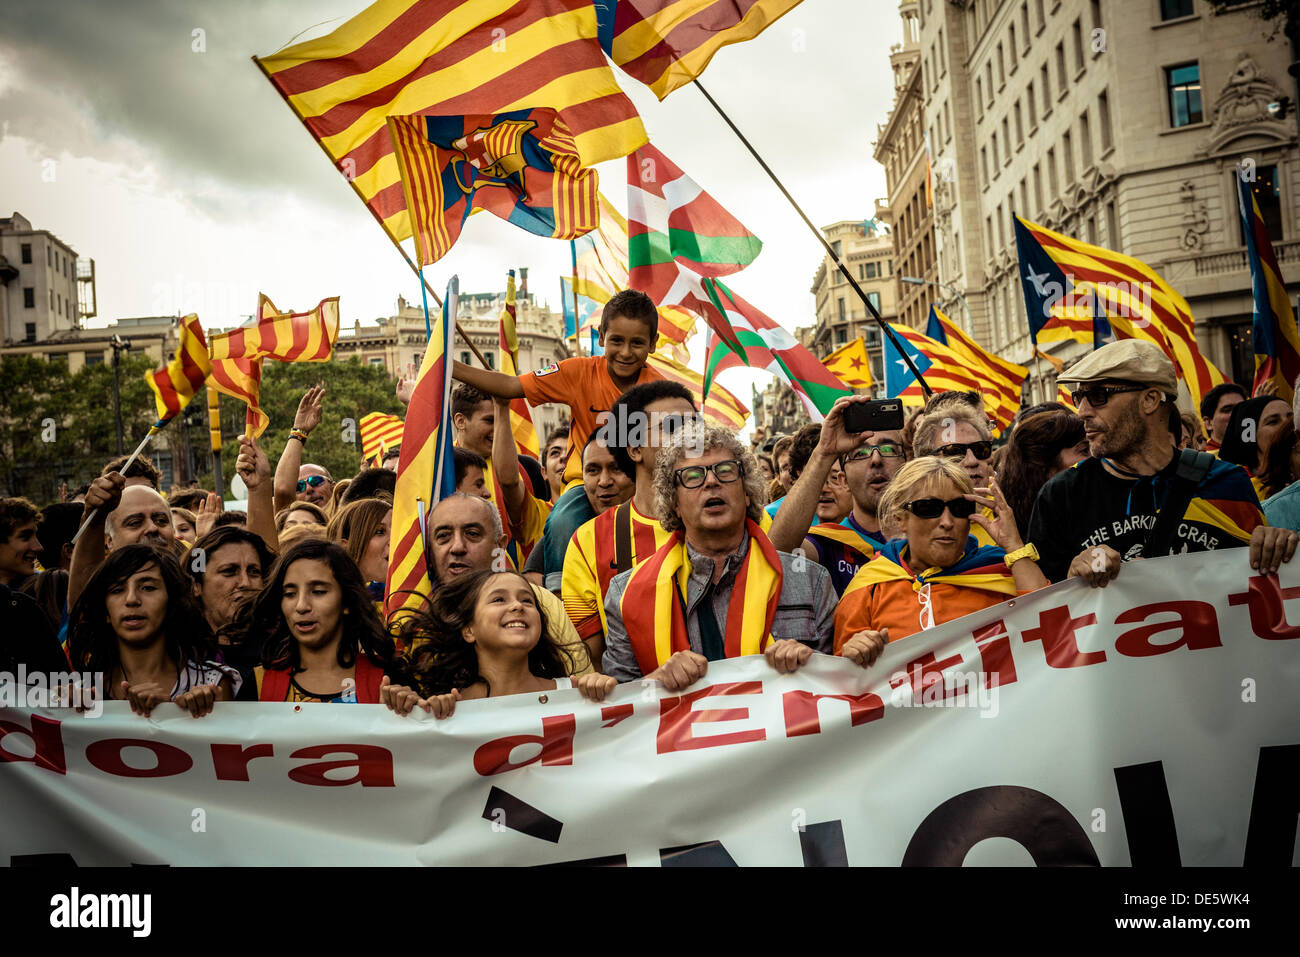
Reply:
x=830 y=251
x=153 y=430
x=362 y=197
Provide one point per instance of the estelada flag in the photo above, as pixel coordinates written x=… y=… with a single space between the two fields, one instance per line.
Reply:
x=425 y=471
x=851 y=364
x=667 y=43
x=523 y=166
x=1001 y=381
x=379 y=433
x=1277 y=341
x=175 y=384
x=449 y=58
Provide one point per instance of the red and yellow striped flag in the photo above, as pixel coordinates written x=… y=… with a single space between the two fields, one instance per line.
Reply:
x=175 y=384
x=1138 y=303
x=242 y=379
x=379 y=433
x=851 y=364
x=286 y=336
x=721 y=406
x=449 y=58
x=521 y=417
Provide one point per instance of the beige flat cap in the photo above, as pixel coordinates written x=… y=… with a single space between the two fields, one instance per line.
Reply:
x=1129 y=360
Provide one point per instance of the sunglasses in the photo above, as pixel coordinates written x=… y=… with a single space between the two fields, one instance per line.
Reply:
x=693 y=476
x=929 y=508
x=315 y=481
x=957 y=450
x=1099 y=395
x=887 y=450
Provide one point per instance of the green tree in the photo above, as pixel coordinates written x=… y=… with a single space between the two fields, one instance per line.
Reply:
x=352 y=389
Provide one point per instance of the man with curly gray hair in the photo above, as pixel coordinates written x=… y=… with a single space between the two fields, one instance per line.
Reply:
x=718 y=588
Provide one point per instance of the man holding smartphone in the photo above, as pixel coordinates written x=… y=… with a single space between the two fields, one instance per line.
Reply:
x=870 y=459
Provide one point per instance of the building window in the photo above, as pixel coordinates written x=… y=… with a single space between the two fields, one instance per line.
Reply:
x=1020 y=128
x=988 y=81
x=979 y=98
x=59 y=300
x=841 y=311
x=1046 y=78
x=1042 y=17
x=1096 y=14
x=1062 y=80
x=1024 y=199
x=1012 y=48
x=1038 y=190
x=1029 y=105
x=27 y=254
x=984 y=163
x=1067 y=157
x=947 y=124
x=872 y=270
x=1002 y=69
x=1176 y=9
x=874 y=299
x=49 y=256
x=29 y=297
x=94 y=358
x=1052 y=182
x=29 y=332
x=465 y=358
x=1002 y=236
x=841 y=336
x=1112 y=228
x=1085 y=140
x=994 y=143
x=1103 y=116
x=1184 y=85
x=1006 y=140
x=988 y=228
x=835 y=248
x=1078 y=47
x=1269 y=200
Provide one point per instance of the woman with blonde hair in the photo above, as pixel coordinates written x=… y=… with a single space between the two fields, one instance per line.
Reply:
x=936 y=571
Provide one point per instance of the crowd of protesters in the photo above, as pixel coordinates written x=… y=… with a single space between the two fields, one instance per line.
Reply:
x=644 y=545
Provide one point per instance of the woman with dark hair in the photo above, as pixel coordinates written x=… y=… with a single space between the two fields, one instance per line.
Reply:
x=320 y=636
x=1252 y=430
x=136 y=622
x=481 y=638
x=1041 y=445
x=363 y=529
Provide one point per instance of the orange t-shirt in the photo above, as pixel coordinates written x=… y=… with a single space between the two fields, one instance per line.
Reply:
x=583 y=384
x=896 y=606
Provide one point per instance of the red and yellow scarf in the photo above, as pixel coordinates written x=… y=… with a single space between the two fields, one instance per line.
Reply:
x=655 y=616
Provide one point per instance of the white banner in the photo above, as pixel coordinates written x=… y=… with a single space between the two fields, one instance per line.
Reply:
x=1154 y=721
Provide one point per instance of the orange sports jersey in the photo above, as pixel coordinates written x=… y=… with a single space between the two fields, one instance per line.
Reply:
x=583 y=384
x=590 y=565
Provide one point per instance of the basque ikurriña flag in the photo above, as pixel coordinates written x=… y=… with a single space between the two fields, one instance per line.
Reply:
x=426 y=471
x=523 y=166
x=1277 y=341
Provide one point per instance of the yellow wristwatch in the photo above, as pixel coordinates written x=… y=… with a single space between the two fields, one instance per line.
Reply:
x=1028 y=551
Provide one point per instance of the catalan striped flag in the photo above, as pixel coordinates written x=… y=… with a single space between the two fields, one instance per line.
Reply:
x=522 y=166
x=1277 y=342
x=721 y=406
x=175 y=384
x=851 y=364
x=449 y=58
x=285 y=336
x=944 y=368
x=1138 y=303
x=425 y=471
x=379 y=433
x=242 y=379
x=667 y=43
x=1002 y=381
x=521 y=417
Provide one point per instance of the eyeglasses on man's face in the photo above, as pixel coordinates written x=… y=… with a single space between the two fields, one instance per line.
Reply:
x=887 y=450
x=693 y=476
x=315 y=481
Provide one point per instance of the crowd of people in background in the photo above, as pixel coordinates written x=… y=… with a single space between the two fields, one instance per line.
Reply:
x=644 y=544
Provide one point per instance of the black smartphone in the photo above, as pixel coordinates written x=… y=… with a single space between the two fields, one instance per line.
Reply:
x=878 y=415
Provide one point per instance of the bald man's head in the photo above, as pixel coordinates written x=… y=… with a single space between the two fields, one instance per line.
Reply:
x=142 y=516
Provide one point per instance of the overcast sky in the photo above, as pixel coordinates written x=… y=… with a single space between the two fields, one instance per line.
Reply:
x=193 y=186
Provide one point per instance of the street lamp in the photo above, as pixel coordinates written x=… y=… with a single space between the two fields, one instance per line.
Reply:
x=119 y=345
x=914 y=280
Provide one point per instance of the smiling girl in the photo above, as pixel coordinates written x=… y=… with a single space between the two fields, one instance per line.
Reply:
x=137 y=623
x=480 y=638
x=321 y=638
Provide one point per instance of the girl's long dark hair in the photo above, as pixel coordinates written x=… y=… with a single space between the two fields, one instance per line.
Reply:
x=1030 y=459
x=92 y=642
x=261 y=622
x=1277 y=464
x=442 y=659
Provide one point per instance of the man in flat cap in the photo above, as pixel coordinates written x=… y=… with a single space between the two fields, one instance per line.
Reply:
x=1111 y=508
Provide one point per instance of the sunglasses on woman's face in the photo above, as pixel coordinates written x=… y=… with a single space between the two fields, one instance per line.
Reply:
x=315 y=481
x=930 y=508
x=957 y=450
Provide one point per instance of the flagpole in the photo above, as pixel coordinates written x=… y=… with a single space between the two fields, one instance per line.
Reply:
x=830 y=251
x=214 y=437
x=153 y=430
x=361 y=196
x=573 y=256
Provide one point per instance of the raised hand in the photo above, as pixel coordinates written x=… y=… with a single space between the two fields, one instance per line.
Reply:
x=1002 y=527
x=205 y=516
x=309 y=409
x=105 y=492
x=252 y=465
x=406 y=383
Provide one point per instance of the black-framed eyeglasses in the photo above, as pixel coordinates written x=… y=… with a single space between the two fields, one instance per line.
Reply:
x=887 y=450
x=693 y=476
x=957 y=450
x=315 y=481
x=1099 y=395
x=929 y=508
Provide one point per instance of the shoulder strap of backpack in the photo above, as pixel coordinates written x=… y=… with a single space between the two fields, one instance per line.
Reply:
x=1192 y=468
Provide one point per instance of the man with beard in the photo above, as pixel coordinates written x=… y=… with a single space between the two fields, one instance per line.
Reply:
x=1090 y=519
x=870 y=460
